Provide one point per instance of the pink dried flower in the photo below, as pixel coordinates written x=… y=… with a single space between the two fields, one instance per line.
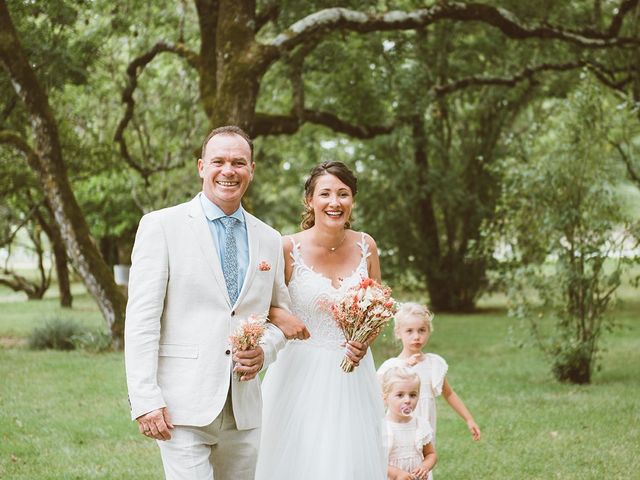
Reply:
x=264 y=266
x=248 y=334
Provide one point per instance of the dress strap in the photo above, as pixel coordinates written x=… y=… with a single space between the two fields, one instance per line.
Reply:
x=295 y=252
x=364 y=248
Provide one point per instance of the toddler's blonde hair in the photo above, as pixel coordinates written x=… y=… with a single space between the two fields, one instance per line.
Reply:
x=411 y=310
x=395 y=375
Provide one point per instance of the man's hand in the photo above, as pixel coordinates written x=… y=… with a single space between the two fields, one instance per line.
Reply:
x=248 y=363
x=291 y=326
x=156 y=424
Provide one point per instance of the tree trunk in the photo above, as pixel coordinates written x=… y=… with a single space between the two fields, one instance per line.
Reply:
x=232 y=65
x=62 y=272
x=573 y=364
x=454 y=284
x=94 y=272
x=61 y=258
x=109 y=250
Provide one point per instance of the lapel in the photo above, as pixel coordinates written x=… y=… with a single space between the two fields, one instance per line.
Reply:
x=200 y=227
x=254 y=251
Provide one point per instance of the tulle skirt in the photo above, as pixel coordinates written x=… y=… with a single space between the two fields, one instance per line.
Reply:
x=320 y=423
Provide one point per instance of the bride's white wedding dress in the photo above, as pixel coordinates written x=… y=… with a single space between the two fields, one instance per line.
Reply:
x=320 y=423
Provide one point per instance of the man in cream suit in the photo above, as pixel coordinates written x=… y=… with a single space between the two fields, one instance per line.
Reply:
x=198 y=269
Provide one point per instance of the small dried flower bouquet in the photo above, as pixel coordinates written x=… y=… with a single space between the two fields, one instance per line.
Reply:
x=362 y=312
x=248 y=334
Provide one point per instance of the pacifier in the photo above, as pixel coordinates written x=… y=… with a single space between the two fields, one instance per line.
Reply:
x=406 y=411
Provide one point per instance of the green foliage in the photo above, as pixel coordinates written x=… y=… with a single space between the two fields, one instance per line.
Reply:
x=56 y=334
x=108 y=205
x=564 y=232
x=94 y=341
x=66 y=334
x=56 y=44
x=81 y=51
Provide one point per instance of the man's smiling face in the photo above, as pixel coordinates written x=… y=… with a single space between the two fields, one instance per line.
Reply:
x=226 y=170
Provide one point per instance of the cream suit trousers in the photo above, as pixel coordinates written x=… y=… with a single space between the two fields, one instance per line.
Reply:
x=218 y=451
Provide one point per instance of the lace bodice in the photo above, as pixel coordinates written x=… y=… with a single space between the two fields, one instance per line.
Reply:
x=312 y=293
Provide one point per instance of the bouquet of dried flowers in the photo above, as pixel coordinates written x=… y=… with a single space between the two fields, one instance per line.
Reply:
x=362 y=312
x=248 y=334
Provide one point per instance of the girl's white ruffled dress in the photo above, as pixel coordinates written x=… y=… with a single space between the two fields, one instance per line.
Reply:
x=405 y=442
x=320 y=423
x=432 y=371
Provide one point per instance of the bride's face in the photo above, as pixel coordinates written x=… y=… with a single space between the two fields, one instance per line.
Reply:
x=331 y=201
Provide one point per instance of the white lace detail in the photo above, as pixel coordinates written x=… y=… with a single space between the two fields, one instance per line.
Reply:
x=312 y=293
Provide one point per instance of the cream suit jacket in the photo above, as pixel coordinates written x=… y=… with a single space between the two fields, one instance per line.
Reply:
x=179 y=317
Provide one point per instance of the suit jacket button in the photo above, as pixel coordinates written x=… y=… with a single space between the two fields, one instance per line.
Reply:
x=228 y=352
x=233 y=313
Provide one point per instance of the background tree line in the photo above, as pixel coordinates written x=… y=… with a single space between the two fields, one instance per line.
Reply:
x=436 y=104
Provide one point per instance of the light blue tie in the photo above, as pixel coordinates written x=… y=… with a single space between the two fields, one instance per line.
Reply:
x=230 y=260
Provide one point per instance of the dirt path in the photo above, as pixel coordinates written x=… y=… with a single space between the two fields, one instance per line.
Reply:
x=12 y=342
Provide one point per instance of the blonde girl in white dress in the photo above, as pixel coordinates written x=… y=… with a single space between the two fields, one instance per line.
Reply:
x=413 y=327
x=409 y=439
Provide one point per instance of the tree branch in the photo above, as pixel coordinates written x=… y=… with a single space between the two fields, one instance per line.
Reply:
x=6 y=111
x=266 y=124
x=133 y=70
x=313 y=27
x=511 y=81
x=616 y=23
x=528 y=73
x=295 y=63
x=9 y=239
x=607 y=76
x=270 y=13
x=14 y=139
x=633 y=175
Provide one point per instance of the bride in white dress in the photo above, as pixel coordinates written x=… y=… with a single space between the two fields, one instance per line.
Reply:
x=320 y=423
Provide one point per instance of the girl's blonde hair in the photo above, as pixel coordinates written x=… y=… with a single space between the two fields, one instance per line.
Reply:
x=395 y=375
x=412 y=310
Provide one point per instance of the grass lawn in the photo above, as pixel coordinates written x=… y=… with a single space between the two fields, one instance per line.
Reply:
x=64 y=415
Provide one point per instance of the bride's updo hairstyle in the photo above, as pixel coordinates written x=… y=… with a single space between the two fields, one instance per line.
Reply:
x=337 y=169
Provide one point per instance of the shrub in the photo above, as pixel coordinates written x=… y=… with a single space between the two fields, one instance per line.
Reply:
x=56 y=334
x=565 y=232
x=95 y=341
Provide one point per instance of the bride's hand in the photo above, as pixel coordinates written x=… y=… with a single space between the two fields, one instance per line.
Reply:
x=291 y=326
x=356 y=351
